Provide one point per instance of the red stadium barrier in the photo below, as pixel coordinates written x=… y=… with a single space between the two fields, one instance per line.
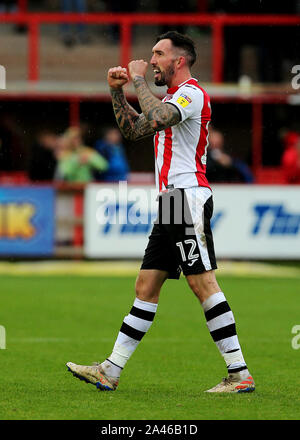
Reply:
x=126 y=21
x=217 y=22
x=13 y=178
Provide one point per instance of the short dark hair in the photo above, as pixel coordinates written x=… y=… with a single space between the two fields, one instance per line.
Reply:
x=182 y=41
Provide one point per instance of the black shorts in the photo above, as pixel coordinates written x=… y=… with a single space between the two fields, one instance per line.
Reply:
x=181 y=238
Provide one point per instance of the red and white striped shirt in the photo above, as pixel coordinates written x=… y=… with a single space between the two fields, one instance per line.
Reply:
x=180 y=150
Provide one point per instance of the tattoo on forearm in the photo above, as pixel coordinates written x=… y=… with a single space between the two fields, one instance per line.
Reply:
x=132 y=125
x=159 y=114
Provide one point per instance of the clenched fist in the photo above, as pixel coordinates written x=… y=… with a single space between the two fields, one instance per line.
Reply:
x=117 y=77
x=137 y=68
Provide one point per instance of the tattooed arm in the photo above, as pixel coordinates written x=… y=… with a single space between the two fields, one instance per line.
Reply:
x=155 y=115
x=159 y=114
x=133 y=125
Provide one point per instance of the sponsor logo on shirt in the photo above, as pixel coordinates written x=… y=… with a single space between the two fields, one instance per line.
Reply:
x=184 y=100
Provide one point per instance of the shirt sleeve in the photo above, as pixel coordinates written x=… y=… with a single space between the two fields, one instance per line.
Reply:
x=189 y=101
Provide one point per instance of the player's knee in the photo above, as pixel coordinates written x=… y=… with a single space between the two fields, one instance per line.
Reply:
x=195 y=286
x=145 y=291
x=203 y=285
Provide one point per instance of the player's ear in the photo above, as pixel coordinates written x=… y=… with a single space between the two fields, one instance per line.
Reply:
x=181 y=61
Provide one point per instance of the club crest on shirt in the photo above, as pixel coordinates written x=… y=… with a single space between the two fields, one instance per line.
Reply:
x=184 y=100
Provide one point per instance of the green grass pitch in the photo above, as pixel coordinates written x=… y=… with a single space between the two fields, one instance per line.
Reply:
x=50 y=320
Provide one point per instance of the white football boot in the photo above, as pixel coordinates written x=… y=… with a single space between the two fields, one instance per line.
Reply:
x=95 y=375
x=234 y=383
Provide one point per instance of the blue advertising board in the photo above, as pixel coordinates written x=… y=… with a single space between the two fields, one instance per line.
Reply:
x=27 y=221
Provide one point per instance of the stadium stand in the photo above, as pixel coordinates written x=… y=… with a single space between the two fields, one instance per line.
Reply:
x=42 y=70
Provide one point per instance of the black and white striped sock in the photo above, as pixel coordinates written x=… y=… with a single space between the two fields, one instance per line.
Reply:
x=221 y=324
x=134 y=327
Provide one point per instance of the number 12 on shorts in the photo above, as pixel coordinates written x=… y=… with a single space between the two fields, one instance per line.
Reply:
x=184 y=250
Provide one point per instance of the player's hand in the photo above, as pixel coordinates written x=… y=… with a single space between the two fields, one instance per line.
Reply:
x=137 y=68
x=117 y=77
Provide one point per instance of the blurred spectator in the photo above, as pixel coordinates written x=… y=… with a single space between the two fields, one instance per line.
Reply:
x=43 y=156
x=111 y=148
x=221 y=167
x=77 y=162
x=272 y=43
x=12 y=149
x=290 y=160
x=8 y=6
x=175 y=7
x=74 y=33
x=11 y=6
x=119 y=6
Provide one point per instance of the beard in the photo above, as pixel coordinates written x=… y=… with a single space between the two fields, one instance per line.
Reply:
x=165 y=77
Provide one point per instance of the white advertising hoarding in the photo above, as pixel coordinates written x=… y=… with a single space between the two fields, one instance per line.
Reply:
x=118 y=219
x=256 y=221
x=249 y=221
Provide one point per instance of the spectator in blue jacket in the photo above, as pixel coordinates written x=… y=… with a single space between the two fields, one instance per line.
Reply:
x=73 y=34
x=111 y=148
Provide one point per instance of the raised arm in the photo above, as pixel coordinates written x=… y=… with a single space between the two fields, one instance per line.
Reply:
x=132 y=125
x=159 y=114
